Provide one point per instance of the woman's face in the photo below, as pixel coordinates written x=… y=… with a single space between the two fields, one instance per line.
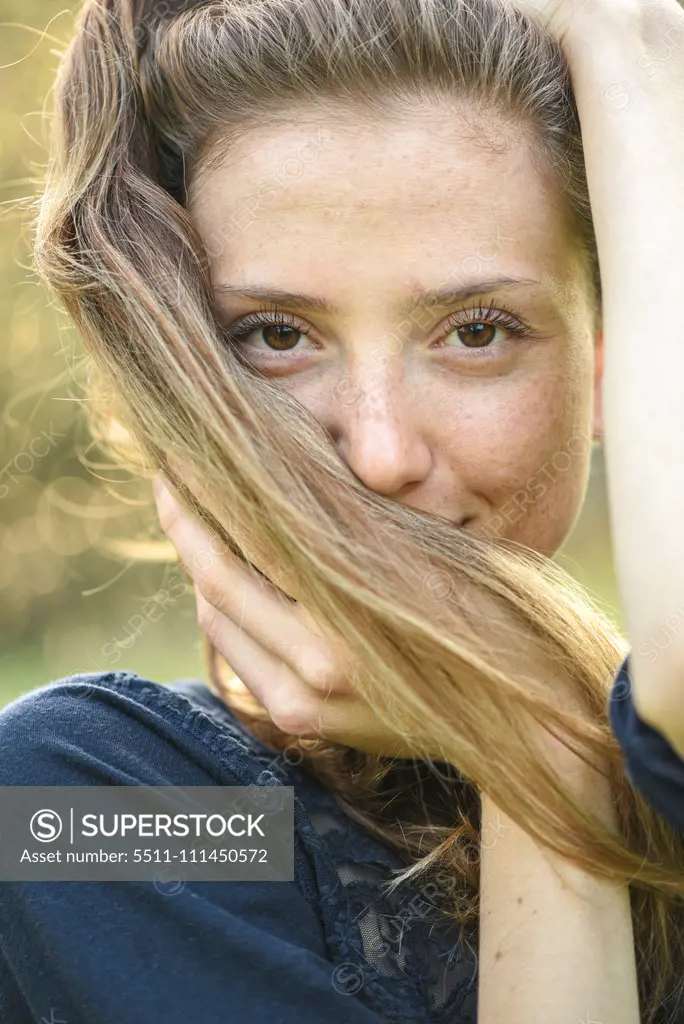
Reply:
x=433 y=309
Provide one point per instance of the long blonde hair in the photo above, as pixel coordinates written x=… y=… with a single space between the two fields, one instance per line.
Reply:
x=148 y=93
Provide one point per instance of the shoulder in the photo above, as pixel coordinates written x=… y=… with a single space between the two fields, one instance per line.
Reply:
x=103 y=728
x=185 y=952
x=187 y=948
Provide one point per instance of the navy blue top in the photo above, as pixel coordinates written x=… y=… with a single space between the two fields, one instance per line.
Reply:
x=651 y=763
x=328 y=947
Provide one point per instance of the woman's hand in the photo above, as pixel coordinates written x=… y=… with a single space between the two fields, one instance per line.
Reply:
x=274 y=645
x=570 y=20
x=556 y=15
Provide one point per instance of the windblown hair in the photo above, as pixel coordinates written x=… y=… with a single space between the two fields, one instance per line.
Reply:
x=148 y=96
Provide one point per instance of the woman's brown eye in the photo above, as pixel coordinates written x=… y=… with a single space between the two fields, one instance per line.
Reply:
x=477 y=335
x=280 y=336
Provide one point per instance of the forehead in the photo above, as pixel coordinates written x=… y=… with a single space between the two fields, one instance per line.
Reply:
x=415 y=196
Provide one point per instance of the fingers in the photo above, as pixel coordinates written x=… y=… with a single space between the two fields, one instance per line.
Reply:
x=294 y=707
x=304 y=682
x=250 y=605
x=290 y=703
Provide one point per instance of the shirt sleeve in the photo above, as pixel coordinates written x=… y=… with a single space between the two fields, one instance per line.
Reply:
x=107 y=952
x=654 y=768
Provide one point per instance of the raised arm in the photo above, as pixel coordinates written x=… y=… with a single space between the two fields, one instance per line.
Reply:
x=559 y=946
x=628 y=77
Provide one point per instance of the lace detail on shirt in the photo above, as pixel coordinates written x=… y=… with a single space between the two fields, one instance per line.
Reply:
x=398 y=952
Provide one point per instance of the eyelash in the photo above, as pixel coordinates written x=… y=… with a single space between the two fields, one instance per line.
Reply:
x=272 y=319
x=495 y=313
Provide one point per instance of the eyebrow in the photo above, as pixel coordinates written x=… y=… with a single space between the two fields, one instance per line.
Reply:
x=419 y=298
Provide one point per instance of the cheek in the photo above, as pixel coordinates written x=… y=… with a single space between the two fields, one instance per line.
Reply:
x=524 y=449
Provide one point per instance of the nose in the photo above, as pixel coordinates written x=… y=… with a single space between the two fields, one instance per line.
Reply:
x=378 y=427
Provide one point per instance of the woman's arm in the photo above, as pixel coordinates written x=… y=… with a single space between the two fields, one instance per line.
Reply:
x=628 y=78
x=556 y=944
x=550 y=950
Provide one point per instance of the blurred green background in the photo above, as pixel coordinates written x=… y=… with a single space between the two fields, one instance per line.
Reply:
x=68 y=601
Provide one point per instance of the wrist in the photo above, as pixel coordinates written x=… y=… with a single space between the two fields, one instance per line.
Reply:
x=598 y=24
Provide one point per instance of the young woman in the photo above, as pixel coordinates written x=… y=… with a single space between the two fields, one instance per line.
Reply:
x=357 y=274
